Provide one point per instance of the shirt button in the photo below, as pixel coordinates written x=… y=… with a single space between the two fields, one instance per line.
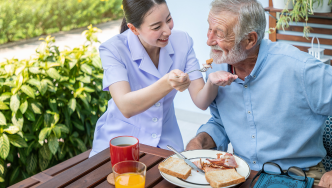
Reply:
x=254 y=76
x=249 y=112
x=157 y=104
x=245 y=86
x=254 y=162
x=253 y=136
x=154 y=119
x=154 y=136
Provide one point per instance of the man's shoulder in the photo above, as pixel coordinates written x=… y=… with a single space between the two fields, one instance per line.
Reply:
x=283 y=50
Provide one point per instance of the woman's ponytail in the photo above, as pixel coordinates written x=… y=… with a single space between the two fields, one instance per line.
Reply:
x=124 y=26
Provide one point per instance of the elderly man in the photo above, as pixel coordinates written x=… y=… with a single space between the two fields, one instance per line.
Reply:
x=276 y=108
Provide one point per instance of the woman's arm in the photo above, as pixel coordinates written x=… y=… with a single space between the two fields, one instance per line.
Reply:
x=131 y=103
x=203 y=94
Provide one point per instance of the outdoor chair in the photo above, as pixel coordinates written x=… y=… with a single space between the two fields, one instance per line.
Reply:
x=327 y=140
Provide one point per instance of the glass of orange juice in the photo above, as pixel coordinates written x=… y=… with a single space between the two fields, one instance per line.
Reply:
x=129 y=174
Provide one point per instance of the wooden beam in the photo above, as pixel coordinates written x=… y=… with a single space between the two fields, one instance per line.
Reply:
x=302 y=39
x=314 y=30
x=273 y=24
x=305 y=49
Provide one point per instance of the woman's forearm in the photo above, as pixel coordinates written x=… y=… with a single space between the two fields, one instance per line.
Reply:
x=134 y=102
x=203 y=95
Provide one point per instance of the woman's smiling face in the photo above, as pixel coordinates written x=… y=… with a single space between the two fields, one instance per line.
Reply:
x=156 y=27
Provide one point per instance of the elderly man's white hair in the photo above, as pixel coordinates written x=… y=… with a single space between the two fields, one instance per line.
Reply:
x=251 y=16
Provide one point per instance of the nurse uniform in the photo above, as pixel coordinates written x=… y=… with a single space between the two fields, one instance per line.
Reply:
x=125 y=59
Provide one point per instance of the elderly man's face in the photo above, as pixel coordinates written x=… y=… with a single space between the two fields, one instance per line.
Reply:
x=222 y=39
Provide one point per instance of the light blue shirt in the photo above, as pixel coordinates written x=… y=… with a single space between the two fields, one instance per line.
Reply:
x=277 y=113
x=125 y=59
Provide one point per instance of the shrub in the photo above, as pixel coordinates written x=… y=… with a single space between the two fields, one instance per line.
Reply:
x=49 y=107
x=22 y=19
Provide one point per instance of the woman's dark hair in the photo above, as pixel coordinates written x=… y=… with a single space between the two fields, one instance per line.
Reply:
x=135 y=11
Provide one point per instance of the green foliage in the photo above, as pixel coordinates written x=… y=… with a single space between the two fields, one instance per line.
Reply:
x=22 y=19
x=302 y=9
x=48 y=108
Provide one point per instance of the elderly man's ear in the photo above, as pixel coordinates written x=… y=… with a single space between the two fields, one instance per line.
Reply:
x=251 y=40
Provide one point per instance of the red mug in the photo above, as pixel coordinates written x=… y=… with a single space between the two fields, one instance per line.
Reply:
x=124 y=148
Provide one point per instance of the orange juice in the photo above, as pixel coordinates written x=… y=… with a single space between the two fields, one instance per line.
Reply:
x=130 y=180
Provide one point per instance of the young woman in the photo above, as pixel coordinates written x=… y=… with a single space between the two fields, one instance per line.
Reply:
x=143 y=69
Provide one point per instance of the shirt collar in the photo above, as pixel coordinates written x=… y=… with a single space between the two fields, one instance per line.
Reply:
x=139 y=53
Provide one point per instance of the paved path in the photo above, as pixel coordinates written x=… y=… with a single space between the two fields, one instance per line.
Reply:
x=73 y=38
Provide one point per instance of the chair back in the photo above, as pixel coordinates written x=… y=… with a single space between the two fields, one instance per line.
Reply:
x=327 y=140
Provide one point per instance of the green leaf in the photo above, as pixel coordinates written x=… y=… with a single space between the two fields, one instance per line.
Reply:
x=28 y=90
x=53 y=144
x=29 y=115
x=10 y=69
x=14 y=175
x=3 y=106
x=53 y=105
x=5 y=96
x=71 y=105
x=2 y=166
x=55 y=119
x=3 y=120
x=85 y=79
x=62 y=152
x=17 y=141
x=4 y=146
x=31 y=163
x=24 y=106
x=63 y=128
x=34 y=70
x=36 y=107
x=53 y=73
x=89 y=89
x=29 y=149
x=47 y=120
x=43 y=86
x=34 y=82
x=85 y=101
x=78 y=125
x=57 y=131
x=14 y=103
x=18 y=120
x=80 y=144
x=44 y=133
x=12 y=129
x=43 y=162
x=96 y=62
x=86 y=68
x=45 y=152
x=38 y=123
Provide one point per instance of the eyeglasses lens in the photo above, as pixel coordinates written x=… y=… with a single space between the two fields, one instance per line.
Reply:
x=272 y=169
x=296 y=173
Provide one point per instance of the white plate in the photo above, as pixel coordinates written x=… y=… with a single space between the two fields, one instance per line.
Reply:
x=197 y=180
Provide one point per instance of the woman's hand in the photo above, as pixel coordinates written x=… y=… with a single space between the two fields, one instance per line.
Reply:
x=222 y=78
x=178 y=80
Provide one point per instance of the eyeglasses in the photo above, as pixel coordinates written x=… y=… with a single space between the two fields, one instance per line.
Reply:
x=274 y=169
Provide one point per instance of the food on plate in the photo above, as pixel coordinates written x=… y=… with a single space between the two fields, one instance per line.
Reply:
x=222 y=162
x=175 y=167
x=223 y=178
x=208 y=63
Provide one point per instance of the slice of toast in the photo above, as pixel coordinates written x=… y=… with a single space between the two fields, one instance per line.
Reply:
x=175 y=167
x=223 y=178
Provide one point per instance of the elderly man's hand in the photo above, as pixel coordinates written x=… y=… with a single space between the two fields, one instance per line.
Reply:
x=222 y=78
x=178 y=80
x=202 y=141
x=326 y=180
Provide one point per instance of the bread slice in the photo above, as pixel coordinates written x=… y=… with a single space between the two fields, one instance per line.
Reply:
x=175 y=167
x=223 y=178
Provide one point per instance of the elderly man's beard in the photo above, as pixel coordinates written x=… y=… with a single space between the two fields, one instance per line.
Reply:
x=235 y=55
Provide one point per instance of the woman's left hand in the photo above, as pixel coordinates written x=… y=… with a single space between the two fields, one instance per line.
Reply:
x=178 y=80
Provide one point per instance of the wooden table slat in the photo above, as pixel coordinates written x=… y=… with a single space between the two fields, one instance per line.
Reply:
x=155 y=151
x=165 y=184
x=78 y=170
x=41 y=177
x=67 y=164
x=100 y=174
x=153 y=177
x=105 y=184
x=25 y=183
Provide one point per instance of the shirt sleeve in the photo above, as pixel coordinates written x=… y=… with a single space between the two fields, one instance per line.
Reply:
x=215 y=129
x=114 y=69
x=317 y=82
x=192 y=61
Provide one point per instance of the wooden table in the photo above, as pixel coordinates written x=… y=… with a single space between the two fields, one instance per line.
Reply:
x=81 y=171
